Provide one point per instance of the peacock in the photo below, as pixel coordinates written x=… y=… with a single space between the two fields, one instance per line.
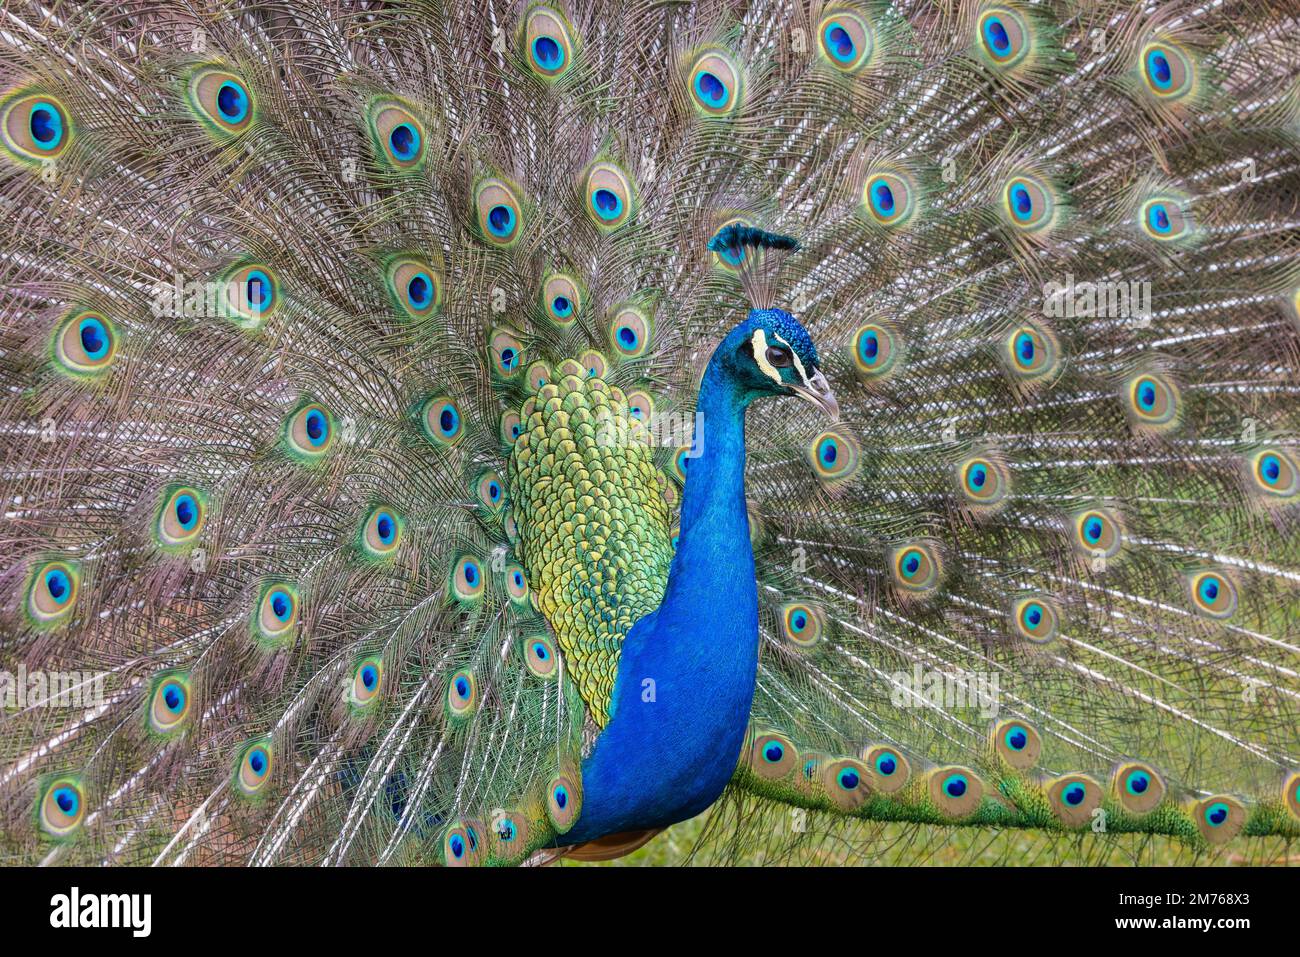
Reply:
x=486 y=433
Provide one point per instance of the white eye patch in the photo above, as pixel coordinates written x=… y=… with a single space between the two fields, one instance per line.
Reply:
x=759 y=344
x=798 y=364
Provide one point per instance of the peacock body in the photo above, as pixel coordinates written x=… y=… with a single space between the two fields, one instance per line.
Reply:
x=380 y=475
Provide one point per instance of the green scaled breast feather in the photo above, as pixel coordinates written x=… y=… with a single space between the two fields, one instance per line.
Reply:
x=593 y=524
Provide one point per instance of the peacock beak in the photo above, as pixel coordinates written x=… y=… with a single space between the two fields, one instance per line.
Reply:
x=818 y=391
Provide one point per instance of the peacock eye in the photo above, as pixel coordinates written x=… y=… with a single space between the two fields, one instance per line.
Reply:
x=780 y=358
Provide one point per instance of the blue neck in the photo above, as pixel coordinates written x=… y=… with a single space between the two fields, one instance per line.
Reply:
x=686 y=674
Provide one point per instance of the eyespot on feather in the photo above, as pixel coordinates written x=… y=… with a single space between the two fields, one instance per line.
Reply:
x=221 y=100
x=35 y=128
x=773 y=756
x=847 y=783
x=169 y=703
x=499 y=212
x=629 y=332
x=1003 y=37
x=253 y=768
x=955 y=791
x=1017 y=743
x=181 y=517
x=309 y=432
x=609 y=196
x=889 y=770
x=466 y=583
x=540 y=656
x=416 y=287
x=399 y=136
x=714 y=83
x=275 y=619
x=1031 y=353
x=1168 y=72
x=915 y=567
x=834 y=457
x=85 y=344
x=367 y=683
x=61 y=808
x=801 y=624
x=1219 y=818
x=1098 y=533
x=252 y=295
x=845 y=40
x=1073 y=798
x=1035 y=618
x=1137 y=786
x=52 y=590
x=548 y=44
x=440 y=420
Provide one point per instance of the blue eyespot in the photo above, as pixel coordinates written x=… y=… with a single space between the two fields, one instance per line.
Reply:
x=848 y=779
x=1137 y=782
x=541 y=651
x=386 y=527
x=1146 y=395
x=462 y=687
x=561 y=797
x=94 y=338
x=710 y=89
x=457 y=845
x=232 y=102
x=448 y=420
x=548 y=54
x=174 y=697
x=886 y=764
x=828 y=453
x=977 y=476
x=405 y=141
x=868 y=346
x=995 y=35
x=627 y=337
x=1074 y=795
x=370 y=676
x=281 y=605
x=46 y=125
x=1158 y=218
x=774 y=752
x=420 y=290
x=67 y=800
x=1022 y=204
x=318 y=427
x=839 y=43
x=911 y=563
x=257 y=760
x=1270 y=468
x=1034 y=614
x=1025 y=348
x=607 y=204
x=1216 y=814
x=955 y=785
x=187 y=511
x=471 y=574
x=1158 y=70
x=258 y=290
x=1016 y=738
x=562 y=306
x=1092 y=529
x=882 y=198
x=58 y=585
x=501 y=220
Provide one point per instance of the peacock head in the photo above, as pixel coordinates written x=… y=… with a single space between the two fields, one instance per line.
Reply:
x=770 y=353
